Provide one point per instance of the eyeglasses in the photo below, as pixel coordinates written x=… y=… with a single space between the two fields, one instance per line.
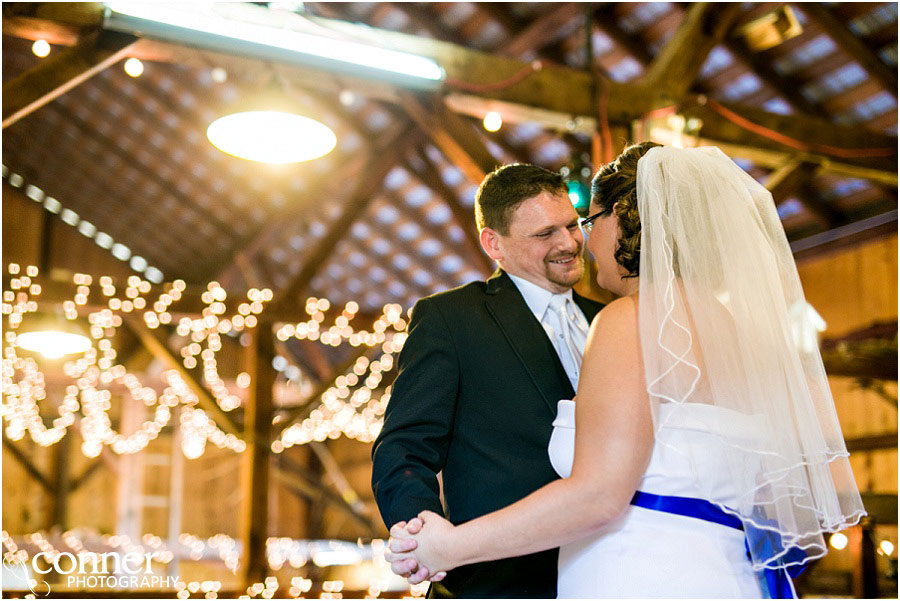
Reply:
x=587 y=224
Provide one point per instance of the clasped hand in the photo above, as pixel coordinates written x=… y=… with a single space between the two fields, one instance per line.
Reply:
x=418 y=549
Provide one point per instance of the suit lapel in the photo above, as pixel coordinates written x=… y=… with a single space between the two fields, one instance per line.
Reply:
x=528 y=339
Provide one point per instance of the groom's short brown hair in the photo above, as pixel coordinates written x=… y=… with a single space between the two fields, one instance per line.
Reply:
x=506 y=187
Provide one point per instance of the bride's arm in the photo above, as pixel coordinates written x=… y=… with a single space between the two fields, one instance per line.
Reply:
x=613 y=442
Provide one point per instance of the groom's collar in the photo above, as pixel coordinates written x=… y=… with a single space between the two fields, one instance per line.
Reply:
x=536 y=297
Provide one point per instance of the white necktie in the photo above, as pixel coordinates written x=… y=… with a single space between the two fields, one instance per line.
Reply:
x=570 y=331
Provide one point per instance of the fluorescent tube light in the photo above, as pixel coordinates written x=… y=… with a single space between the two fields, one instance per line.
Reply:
x=252 y=31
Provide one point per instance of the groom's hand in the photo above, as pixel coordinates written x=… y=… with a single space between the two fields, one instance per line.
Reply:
x=399 y=547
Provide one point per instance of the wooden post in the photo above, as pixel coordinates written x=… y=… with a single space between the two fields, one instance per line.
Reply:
x=176 y=491
x=865 y=571
x=255 y=460
x=61 y=484
x=130 y=511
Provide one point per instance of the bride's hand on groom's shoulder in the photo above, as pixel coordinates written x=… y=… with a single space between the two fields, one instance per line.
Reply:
x=400 y=553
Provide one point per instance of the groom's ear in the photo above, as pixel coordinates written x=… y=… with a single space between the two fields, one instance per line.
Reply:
x=490 y=242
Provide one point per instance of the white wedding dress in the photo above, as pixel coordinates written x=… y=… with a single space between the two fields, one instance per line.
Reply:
x=649 y=553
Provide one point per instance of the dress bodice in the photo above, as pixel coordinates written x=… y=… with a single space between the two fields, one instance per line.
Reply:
x=687 y=455
x=640 y=554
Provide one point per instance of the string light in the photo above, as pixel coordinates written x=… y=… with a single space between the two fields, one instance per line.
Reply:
x=351 y=406
x=281 y=552
x=93 y=373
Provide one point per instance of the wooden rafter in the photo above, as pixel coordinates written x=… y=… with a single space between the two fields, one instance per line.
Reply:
x=846 y=236
x=85 y=475
x=108 y=145
x=452 y=134
x=336 y=475
x=325 y=186
x=299 y=479
x=542 y=30
x=788 y=87
x=873 y=442
x=428 y=264
x=854 y=47
x=793 y=179
x=421 y=18
x=464 y=218
x=676 y=67
x=567 y=91
x=301 y=412
x=796 y=126
x=62 y=72
x=26 y=464
x=155 y=342
x=386 y=155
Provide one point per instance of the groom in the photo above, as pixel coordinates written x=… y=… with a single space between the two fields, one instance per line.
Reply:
x=479 y=379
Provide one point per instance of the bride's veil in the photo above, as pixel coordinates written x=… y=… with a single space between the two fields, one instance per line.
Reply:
x=718 y=288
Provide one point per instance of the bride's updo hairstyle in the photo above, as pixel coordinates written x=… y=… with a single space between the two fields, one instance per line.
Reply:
x=614 y=187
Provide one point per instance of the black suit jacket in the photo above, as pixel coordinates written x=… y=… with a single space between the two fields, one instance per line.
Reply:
x=475 y=398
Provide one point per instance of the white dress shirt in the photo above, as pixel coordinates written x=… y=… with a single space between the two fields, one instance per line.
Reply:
x=538 y=300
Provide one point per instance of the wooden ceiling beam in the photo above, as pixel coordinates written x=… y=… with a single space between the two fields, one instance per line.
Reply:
x=788 y=178
x=324 y=186
x=464 y=218
x=299 y=480
x=787 y=87
x=385 y=157
x=793 y=179
x=542 y=30
x=678 y=64
x=429 y=264
x=567 y=91
x=297 y=414
x=452 y=134
x=800 y=127
x=423 y=19
x=862 y=361
x=499 y=13
x=854 y=47
x=605 y=21
x=846 y=236
x=27 y=465
x=145 y=171
x=155 y=342
x=830 y=216
x=58 y=74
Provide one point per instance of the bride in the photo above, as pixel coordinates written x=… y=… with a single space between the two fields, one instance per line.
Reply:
x=707 y=459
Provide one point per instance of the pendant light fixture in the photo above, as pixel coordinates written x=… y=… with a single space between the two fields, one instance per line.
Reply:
x=53 y=336
x=271 y=127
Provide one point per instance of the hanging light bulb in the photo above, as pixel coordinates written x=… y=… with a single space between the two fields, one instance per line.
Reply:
x=493 y=121
x=134 y=67
x=40 y=48
x=53 y=337
x=270 y=129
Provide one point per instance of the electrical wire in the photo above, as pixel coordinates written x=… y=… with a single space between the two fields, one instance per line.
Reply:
x=521 y=74
x=846 y=153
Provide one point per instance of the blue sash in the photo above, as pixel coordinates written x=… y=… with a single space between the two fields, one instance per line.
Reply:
x=765 y=542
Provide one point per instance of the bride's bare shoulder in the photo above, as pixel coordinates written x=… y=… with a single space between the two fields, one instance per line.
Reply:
x=615 y=325
x=620 y=314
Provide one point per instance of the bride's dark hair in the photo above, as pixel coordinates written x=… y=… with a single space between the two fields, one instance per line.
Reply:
x=614 y=188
